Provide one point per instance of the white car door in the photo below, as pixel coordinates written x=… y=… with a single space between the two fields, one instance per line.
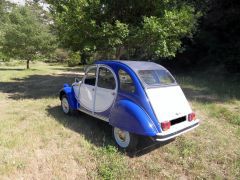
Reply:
x=106 y=91
x=87 y=89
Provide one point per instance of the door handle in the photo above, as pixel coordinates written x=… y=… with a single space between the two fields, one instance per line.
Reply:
x=113 y=93
x=93 y=89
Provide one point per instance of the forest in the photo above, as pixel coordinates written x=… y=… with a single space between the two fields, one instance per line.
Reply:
x=176 y=33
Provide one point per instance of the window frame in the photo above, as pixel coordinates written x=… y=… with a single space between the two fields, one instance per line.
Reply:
x=87 y=70
x=123 y=90
x=113 y=74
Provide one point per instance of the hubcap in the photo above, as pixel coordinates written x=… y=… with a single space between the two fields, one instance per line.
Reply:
x=65 y=105
x=122 y=137
x=121 y=134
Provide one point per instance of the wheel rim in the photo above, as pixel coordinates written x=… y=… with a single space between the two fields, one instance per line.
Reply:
x=65 y=105
x=122 y=137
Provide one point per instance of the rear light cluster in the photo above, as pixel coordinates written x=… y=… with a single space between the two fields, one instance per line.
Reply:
x=167 y=124
x=192 y=117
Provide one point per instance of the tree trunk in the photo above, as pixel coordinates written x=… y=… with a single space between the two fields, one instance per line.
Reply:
x=28 y=63
x=119 y=51
x=83 y=58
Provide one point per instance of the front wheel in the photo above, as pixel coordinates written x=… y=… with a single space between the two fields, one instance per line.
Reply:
x=65 y=105
x=124 y=139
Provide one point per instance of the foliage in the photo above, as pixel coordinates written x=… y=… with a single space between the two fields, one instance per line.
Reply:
x=25 y=36
x=123 y=27
x=5 y=6
x=74 y=59
x=161 y=37
x=59 y=55
x=217 y=42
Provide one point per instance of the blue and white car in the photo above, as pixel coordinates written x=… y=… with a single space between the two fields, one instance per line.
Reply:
x=134 y=97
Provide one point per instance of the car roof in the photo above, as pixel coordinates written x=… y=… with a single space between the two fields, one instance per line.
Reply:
x=135 y=65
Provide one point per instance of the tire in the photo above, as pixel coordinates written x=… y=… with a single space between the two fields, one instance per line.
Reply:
x=65 y=105
x=124 y=139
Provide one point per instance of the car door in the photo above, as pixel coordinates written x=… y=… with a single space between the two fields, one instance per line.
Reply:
x=106 y=91
x=87 y=90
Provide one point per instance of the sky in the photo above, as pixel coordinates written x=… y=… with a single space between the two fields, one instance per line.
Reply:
x=22 y=2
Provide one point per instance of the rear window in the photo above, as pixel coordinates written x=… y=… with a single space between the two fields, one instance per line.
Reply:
x=159 y=77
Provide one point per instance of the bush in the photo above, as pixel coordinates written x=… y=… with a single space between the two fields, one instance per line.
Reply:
x=74 y=59
x=61 y=55
x=4 y=58
x=232 y=64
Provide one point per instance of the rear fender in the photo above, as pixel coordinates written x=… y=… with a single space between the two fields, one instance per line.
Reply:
x=69 y=92
x=129 y=116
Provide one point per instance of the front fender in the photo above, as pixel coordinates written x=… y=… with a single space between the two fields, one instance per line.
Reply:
x=129 y=116
x=69 y=92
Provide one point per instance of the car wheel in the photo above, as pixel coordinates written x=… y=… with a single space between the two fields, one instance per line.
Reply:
x=65 y=105
x=124 y=139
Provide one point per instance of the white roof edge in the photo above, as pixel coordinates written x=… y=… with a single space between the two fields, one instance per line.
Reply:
x=141 y=65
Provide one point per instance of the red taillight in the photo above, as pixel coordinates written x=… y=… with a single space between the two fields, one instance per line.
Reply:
x=192 y=116
x=165 y=125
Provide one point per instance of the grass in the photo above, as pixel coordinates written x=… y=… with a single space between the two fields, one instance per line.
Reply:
x=38 y=141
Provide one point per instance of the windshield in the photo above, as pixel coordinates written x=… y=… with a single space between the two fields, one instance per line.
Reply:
x=159 y=77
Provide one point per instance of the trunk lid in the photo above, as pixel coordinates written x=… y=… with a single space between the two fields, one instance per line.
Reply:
x=168 y=102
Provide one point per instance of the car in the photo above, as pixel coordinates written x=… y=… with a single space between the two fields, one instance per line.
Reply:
x=137 y=98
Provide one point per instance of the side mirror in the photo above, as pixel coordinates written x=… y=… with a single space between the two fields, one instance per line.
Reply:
x=76 y=80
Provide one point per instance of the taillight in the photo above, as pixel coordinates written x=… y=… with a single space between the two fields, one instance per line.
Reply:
x=165 y=125
x=192 y=117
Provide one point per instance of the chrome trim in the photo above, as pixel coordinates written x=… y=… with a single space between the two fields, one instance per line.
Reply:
x=160 y=137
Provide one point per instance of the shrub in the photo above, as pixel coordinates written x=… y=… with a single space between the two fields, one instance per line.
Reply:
x=4 y=58
x=61 y=55
x=74 y=59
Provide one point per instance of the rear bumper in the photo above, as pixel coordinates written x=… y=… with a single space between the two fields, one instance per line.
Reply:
x=166 y=137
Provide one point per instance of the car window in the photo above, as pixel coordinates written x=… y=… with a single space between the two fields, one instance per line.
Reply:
x=126 y=82
x=90 y=77
x=156 y=77
x=106 y=78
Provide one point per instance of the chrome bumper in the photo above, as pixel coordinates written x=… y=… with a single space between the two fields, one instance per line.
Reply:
x=166 y=137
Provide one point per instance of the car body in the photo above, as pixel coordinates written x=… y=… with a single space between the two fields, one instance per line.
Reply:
x=134 y=97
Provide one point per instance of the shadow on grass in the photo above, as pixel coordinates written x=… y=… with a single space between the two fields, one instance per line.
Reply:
x=200 y=88
x=210 y=88
x=98 y=132
x=75 y=69
x=12 y=69
x=36 y=86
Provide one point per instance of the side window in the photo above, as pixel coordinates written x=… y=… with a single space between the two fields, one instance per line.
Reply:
x=90 y=77
x=106 y=79
x=126 y=82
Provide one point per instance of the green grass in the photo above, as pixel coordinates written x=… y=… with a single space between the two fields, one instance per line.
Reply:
x=38 y=141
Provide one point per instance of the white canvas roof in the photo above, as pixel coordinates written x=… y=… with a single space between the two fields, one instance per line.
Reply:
x=142 y=65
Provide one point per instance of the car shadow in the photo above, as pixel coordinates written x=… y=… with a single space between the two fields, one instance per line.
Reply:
x=99 y=132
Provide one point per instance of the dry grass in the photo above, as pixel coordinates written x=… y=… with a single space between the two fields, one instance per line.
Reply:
x=37 y=141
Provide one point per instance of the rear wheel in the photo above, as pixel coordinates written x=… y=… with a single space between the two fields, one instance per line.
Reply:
x=124 y=139
x=65 y=105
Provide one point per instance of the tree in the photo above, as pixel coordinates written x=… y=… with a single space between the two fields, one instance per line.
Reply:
x=26 y=37
x=4 y=7
x=137 y=28
x=217 y=42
